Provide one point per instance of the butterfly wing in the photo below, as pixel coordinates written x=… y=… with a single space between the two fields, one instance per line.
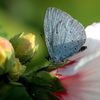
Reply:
x=64 y=35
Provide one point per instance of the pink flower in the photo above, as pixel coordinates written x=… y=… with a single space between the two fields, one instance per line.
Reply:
x=81 y=75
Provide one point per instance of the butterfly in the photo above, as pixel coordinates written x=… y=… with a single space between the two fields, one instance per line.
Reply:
x=64 y=35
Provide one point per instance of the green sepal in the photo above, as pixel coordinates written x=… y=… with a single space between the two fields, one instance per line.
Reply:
x=42 y=85
x=9 y=62
x=32 y=67
x=48 y=81
x=52 y=66
x=42 y=94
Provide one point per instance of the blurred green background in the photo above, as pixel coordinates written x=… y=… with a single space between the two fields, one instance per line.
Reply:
x=28 y=15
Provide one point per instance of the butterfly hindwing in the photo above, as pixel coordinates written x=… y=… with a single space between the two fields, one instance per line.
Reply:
x=64 y=35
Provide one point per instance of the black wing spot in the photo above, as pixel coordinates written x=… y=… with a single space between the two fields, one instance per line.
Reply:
x=64 y=46
x=71 y=31
x=83 y=48
x=77 y=41
x=56 y=32
x=72 y=40
x=75 y=48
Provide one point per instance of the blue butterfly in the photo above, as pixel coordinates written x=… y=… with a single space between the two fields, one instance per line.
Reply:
x=64 y=35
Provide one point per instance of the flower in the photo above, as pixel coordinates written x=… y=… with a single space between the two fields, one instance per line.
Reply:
x=6 y=55
x=81 y=76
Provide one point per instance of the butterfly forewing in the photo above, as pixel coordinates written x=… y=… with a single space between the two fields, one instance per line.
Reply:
x=64 y=35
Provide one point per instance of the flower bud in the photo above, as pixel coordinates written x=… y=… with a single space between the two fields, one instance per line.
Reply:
x=6 y=56
x=31 y=50
x=25 y=46
x=16 y=71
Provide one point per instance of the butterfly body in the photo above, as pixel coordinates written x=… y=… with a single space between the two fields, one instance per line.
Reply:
x=64 y=35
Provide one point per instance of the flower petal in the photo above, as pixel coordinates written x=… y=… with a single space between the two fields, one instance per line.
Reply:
x=84 y=82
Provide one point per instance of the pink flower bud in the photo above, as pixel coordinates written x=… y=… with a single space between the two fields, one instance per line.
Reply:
x=6 y=55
